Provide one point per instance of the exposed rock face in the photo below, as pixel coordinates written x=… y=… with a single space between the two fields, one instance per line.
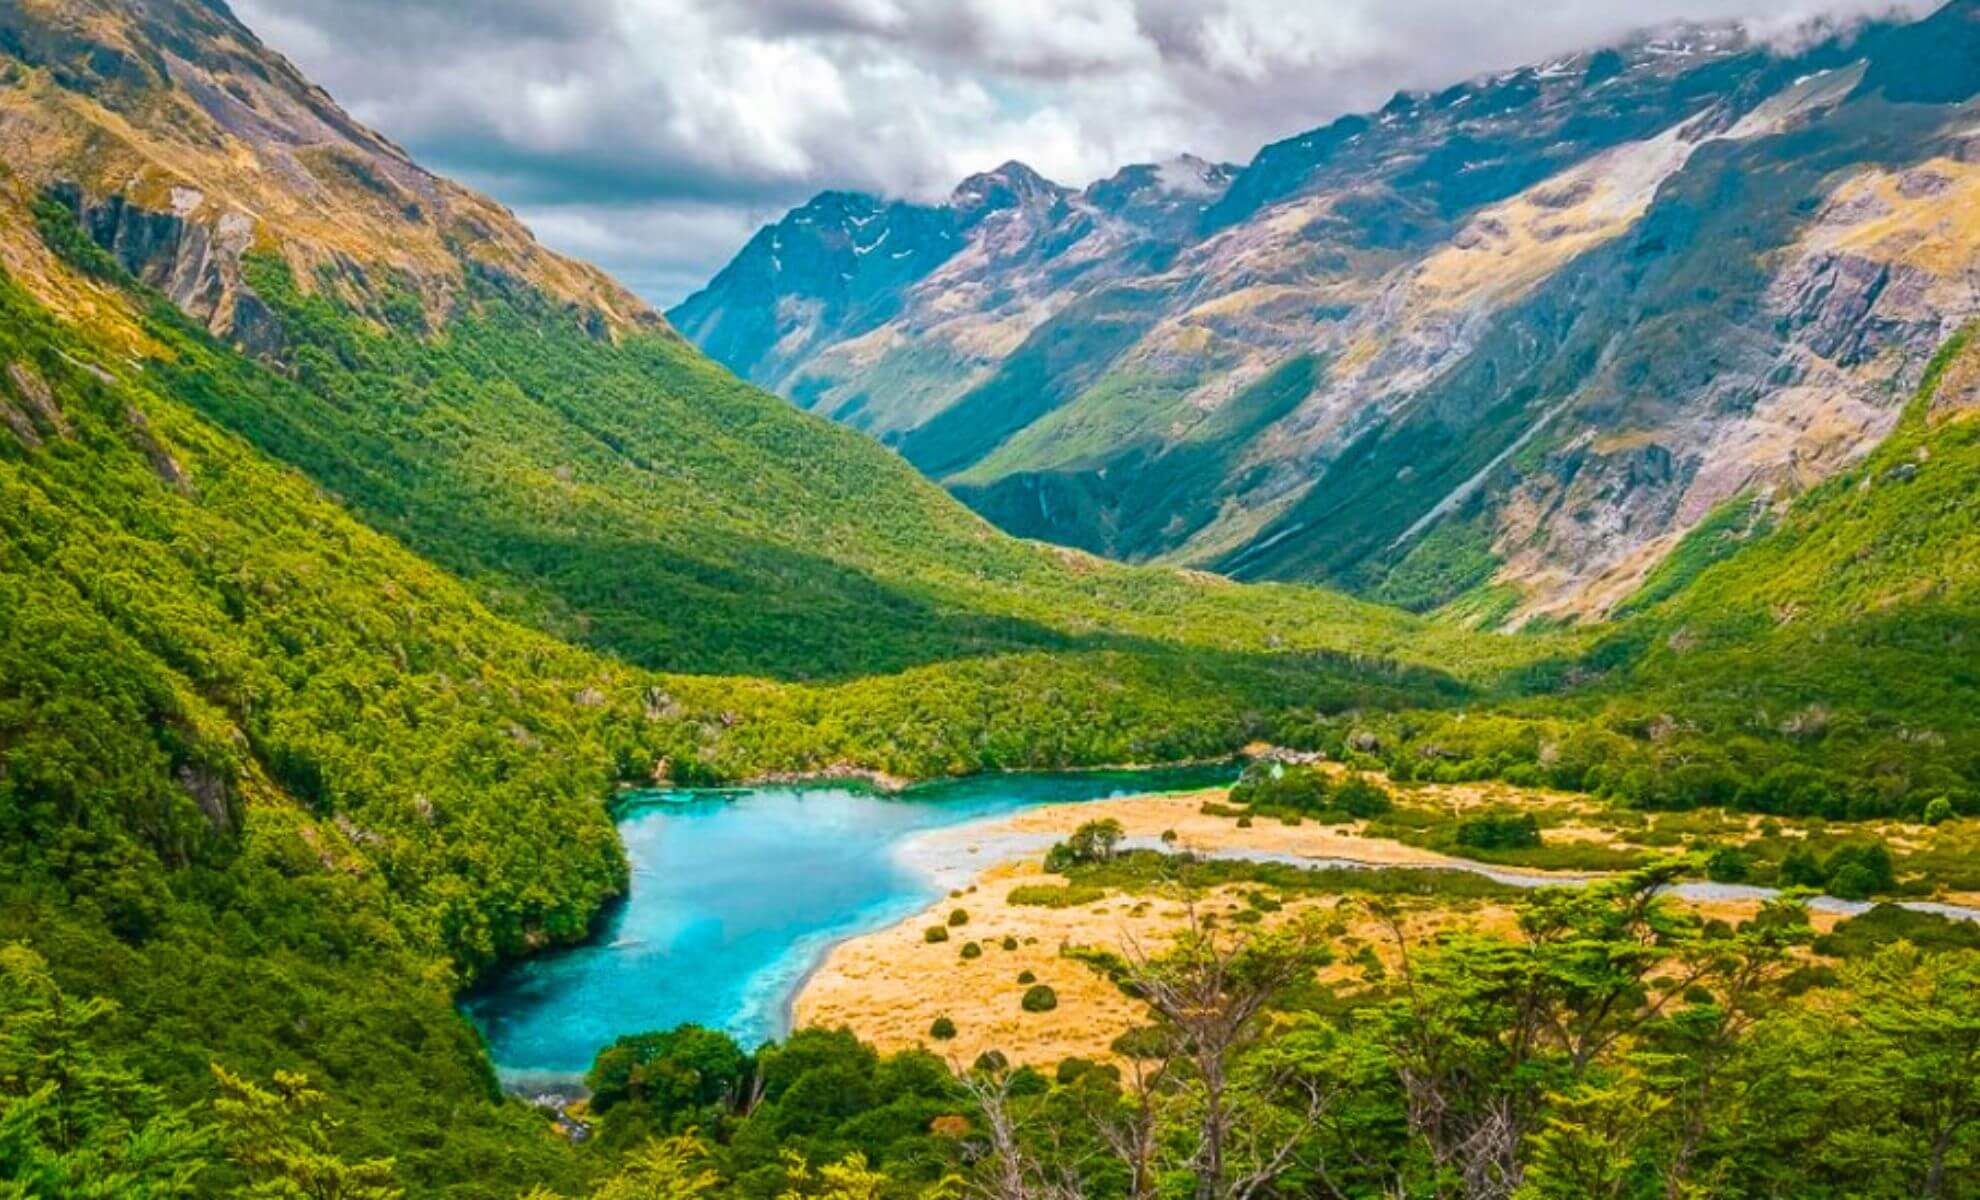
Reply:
x=1520 y=334
x=185 y=145
x=209 y=790
x=38 y=401
x=850 y=290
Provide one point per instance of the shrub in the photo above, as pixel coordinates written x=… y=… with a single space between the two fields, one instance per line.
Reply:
x=1145 y=1042
x=958 y=918
x=1801 y=869
x=942 y=1030
x=1039 y=998
x=1279 y=785
x=1500 y=831
x=1072 y=1070
x=1027 y=977
x=1860 y=871
x=1727 y=865
x=1045 y=895
x=936 y=933
x=1362 y=798
x=1939 y=811
x=1853 y=882
x=1861 y=936
x=1010 y=942
x=972 y=950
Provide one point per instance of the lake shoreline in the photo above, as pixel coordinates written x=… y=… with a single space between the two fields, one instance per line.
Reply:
x=872 y=981
x=737 y=895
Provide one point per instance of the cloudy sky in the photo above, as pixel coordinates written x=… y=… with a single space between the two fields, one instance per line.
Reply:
x=653 y=136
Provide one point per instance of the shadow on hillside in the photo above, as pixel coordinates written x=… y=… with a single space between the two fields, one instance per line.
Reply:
x=736 y=606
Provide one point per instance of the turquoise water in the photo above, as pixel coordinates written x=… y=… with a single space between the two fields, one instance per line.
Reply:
x=735 y=897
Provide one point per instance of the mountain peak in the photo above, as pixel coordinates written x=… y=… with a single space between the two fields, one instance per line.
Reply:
x=1158 y=193
x=1008 y=186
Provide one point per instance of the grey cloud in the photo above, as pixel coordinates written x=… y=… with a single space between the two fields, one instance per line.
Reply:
x=650 y=135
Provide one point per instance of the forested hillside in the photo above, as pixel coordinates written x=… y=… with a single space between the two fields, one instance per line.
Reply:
x=1817 y=663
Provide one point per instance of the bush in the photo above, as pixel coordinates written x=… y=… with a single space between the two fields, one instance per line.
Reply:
x=1801 y=869
x=1144 y=1042
x=1362 y=798
x=1009 y=942
x=972 y=950
x=1027 y=977
x=1039 y=998
x=1500 y=831
x=1727 y=865
x=1045 y=895
x=942 y=1030
x=1072 y=1070
x=936 y=933
x=1939 y=811
x=1860 y=871
x=1859 y=937
x=1853 y=882
x=1852 y=872
x=1279 y=785
x=958 y=918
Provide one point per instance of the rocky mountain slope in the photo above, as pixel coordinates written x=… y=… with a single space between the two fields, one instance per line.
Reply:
x=884 y=313
x=1494 y=349
x=184 y=145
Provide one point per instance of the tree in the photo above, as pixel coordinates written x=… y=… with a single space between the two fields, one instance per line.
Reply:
x=281 y=1139
x=1010 y=1170
x=1915 y=1039
x=670 y=1168
x=1591 y=1144
x=1211 y=994
x=1093 y=842
x=682 y=1077
x=75 y=1124
x=1487 y=1029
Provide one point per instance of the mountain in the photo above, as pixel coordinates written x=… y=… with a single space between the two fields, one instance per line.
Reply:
x=882 y=314
x=1494 y=349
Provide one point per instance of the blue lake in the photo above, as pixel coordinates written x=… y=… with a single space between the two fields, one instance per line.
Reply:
x=735 y=897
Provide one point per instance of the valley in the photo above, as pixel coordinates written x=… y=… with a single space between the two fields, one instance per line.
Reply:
x=431 y=677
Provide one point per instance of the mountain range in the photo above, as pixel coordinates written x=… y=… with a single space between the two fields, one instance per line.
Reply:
x=1493 y=350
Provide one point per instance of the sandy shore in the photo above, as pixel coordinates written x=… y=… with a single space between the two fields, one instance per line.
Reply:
x=889 y=987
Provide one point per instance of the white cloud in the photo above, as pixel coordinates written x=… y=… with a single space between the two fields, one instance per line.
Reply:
x=652 y=135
